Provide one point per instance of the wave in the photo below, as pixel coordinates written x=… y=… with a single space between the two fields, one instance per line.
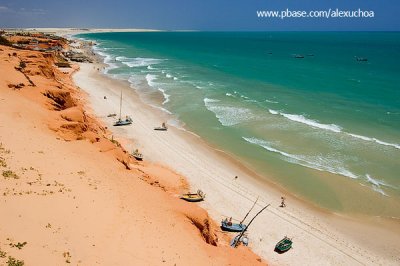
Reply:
x=331 y=127
x=318 y=163
x=273 y=112
x=168 y=76
x=269 y=101
x=208 y=100
x=166 y=96
x=107 y=59
x=307 y=121
x=313 y=123
x=150 y=79
x=228 y=115
x=138 y=61
x=397 y=146
x=376 y=184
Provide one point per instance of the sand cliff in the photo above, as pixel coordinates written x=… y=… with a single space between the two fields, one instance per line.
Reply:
x=71 y=194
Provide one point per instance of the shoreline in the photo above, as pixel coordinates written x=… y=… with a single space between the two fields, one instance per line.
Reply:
x=325 y=216
x=70 y=194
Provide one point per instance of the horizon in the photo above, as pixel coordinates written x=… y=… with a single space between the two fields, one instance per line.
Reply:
x=179 y=15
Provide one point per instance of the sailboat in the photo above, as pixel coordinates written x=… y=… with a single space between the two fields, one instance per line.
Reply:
x=242 y=238
x=121 y=122
x=227 y=225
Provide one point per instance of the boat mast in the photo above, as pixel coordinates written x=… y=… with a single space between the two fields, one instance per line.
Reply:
x=247 y=227
x=249 y=211
x=120 y=106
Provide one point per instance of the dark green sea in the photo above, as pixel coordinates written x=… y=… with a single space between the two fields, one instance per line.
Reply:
x=296 y=107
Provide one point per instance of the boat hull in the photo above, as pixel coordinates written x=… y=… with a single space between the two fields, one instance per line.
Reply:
x=232 y=228
x=122 y=123
x=283 y=245
x=192 y=197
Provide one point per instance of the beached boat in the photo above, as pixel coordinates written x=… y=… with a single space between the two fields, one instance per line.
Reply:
x=194 y=197
x=121 y=122
x=284 y=245
x=240 y=240
x=137 y=155
x=227 y=225
x=162 y=128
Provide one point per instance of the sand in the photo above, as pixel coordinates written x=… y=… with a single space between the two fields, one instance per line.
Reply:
x=69 y=195
x=320 y=238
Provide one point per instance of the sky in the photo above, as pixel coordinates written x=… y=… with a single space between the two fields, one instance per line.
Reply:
x=208 y=15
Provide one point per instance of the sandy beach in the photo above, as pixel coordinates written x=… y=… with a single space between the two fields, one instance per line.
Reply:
x=319 y=237
x=74 y=195
x=71 y=195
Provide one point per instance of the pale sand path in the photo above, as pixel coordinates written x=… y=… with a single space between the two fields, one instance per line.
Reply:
x=316 y=241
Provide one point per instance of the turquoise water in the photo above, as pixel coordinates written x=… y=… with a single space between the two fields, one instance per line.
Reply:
x=326 y=126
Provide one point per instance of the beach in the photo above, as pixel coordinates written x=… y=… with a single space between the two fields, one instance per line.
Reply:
x=72 y=195
x=89 y=208
x=324 y=236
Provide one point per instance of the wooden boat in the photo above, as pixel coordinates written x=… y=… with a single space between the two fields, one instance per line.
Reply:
x=240 y=240
x=137 y=155
x=227 y=225
x=362 y=59
x=162 y=128
x=284 y=245
x=232 y=227
x=121 y=122
x=194 y=197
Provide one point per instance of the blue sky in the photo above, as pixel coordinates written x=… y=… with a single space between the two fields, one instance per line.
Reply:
x=194 y=14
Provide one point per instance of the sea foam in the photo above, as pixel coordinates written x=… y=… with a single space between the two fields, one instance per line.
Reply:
x=397 y=146
x=166 y=96
x=317 y=163
x=307 y=121
x=228 y=115
x=150 y=79
x=138 y=61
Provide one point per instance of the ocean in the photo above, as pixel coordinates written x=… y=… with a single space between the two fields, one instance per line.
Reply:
x=317 y=113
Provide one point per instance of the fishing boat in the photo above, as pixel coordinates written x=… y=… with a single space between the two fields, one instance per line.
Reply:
x=227 y=225
x=240 y=240
x=298 y=56
x=162 y=128
x=137 y=155
x=362 y=59
x=193 y=197
x=121 y=122
x=284 y=245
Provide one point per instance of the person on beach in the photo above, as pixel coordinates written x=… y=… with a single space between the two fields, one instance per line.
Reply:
x=282 y=202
